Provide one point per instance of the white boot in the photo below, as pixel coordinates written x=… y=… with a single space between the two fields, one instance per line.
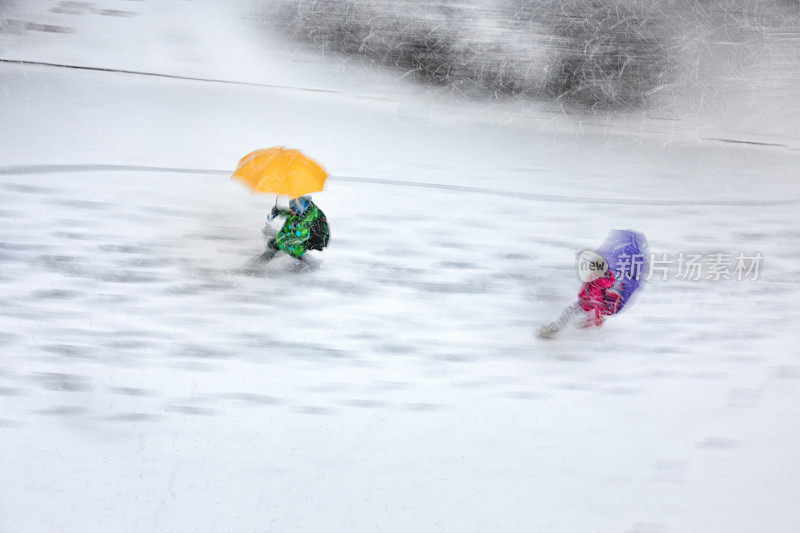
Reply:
x=548 y=331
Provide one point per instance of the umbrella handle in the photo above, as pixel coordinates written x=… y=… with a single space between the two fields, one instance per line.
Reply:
x=270 y=217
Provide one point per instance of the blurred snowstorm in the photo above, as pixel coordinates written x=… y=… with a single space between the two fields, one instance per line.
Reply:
x=153 y=379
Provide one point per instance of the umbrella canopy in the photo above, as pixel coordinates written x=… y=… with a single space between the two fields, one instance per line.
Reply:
x=281 y=170
x=627 y=255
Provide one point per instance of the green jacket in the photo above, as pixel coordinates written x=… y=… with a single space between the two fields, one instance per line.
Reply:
x=296 y=231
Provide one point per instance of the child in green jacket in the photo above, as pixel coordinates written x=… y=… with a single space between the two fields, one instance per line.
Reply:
x=305 y=229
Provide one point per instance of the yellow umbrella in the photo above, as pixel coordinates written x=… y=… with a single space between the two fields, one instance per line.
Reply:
x=281 y=170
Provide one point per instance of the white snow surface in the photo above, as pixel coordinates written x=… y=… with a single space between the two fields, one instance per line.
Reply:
x=151 y=381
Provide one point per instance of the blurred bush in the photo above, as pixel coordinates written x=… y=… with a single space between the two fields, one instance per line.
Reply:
x=596 y=53
x=610 y=53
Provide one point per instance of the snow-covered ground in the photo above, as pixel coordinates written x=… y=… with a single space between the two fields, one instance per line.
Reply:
x=151 y=381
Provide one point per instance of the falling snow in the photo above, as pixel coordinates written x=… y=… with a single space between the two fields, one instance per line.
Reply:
x=152 y=380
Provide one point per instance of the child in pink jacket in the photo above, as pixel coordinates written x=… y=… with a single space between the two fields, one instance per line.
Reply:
x=597 y=299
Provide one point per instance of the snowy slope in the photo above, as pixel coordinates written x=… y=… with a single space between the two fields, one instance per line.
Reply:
x=151 y=381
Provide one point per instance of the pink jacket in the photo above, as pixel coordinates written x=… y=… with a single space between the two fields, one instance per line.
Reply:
x=600 y=295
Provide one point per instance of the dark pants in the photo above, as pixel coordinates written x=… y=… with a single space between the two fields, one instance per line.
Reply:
x=270 y=252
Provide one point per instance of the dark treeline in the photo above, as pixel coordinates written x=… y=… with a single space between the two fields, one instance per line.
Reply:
x=594 y=53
